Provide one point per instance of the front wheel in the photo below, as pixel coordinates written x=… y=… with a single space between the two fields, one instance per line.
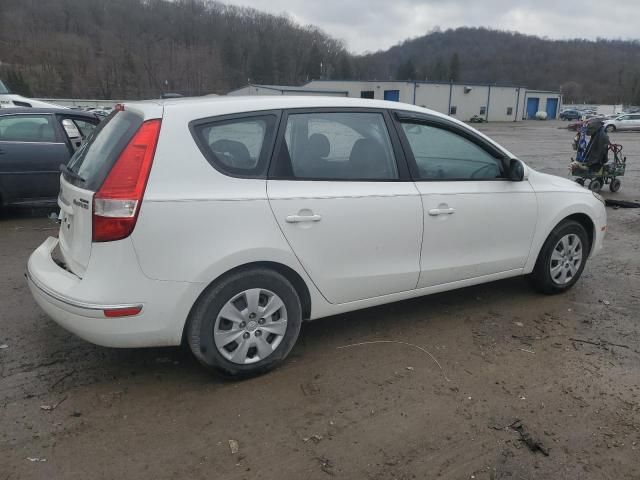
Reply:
x=246 y=323
x=615 y=185
x=610 y=128
x=561 y=259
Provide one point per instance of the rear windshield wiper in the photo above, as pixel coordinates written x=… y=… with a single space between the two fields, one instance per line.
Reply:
x=67 y=171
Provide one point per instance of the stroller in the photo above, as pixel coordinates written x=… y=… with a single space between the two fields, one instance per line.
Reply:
x=607 y=174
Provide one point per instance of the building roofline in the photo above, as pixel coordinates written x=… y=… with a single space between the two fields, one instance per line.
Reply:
x=427 y=82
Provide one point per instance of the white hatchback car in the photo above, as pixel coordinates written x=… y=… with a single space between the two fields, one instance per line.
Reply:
x=226 y=222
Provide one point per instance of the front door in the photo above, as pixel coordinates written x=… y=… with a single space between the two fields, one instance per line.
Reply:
x=476 y=222
x=342 y=196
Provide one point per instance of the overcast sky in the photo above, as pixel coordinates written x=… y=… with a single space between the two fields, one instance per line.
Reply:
x=370 y=25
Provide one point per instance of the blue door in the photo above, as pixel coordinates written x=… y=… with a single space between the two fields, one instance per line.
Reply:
x=392 y=95
x=552 y=108
x=532 y=107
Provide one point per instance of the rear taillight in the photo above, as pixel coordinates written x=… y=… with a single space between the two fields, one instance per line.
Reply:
x=117 y=203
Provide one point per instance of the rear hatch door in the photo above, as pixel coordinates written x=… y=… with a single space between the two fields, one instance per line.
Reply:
x=83 y=176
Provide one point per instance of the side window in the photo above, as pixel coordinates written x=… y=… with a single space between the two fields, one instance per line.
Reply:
x=86 y=128
x=444 y=155
x=237 y=146
x=337 y=146
x=27 y=128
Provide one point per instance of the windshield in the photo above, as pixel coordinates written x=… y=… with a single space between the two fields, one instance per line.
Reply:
x=3 y=88
x=94 y=159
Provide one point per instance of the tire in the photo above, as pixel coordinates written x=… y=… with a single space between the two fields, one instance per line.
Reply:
x=236 y=353
x=595 y=185
x=580 y=181
x=610 y=128
x=546 y=276
x=615 y=185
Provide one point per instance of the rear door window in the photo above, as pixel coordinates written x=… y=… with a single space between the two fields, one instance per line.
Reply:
x=237 y=146
x=94 y=159
x=336 y=146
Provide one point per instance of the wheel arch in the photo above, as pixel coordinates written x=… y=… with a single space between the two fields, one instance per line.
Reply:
x=289 y=273
x=584 y=220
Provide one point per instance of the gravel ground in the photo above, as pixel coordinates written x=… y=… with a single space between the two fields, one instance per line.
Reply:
x=530 y=387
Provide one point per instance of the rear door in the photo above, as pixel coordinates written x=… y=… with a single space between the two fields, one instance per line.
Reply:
x=340 y=191
x=88 y=168
x=31 y=151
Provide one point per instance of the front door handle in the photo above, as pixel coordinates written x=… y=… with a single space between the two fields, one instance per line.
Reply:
x=434 y=212
x=303 y=218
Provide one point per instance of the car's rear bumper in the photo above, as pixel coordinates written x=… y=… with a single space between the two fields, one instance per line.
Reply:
x=79 y=305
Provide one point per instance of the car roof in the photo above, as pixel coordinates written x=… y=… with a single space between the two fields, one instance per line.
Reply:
x=191 y=108
x=36 y=110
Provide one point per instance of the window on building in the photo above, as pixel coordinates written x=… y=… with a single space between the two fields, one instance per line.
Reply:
x=509 y=110
x=483 y=110
x=444 y=155
x=336 y=146
x=453 y=110
x=392 y=95
x=366 y=94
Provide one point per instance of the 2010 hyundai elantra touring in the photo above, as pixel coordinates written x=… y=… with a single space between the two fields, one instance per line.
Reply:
x=226 y=222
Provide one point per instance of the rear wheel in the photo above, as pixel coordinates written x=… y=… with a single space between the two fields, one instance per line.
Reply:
x=580 y=181
x=246 y=323
x=561 y=259
x=615 y=185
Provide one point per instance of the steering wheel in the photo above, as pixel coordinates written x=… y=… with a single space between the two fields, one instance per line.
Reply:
x=488 y=166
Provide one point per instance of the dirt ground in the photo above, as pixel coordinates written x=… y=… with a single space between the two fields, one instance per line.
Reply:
x=562 y=372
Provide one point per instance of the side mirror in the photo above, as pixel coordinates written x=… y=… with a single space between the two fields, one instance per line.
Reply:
x=516 y=170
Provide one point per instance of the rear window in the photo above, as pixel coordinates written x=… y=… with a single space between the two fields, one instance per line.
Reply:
x=93 y=160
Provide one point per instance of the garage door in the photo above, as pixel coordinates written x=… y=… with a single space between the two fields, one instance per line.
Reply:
x=532 y=107
x=552 y=108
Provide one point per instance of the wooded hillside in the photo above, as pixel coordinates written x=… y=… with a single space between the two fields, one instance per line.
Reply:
x=603 y=71
x=141 y=48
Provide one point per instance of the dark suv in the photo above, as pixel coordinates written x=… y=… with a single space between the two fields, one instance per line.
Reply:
x=570 y=115
x=34 y=142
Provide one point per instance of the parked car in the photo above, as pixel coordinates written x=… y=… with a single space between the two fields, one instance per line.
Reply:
x=228 y=221
x=630 y=121
x=575 y=125
x=34 y=142
x=570 y=115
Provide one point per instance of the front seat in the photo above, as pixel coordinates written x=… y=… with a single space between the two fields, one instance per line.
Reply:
x=314 y=160
x=368 y=160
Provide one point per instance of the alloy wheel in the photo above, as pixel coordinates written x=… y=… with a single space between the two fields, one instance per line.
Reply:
x=566 y=259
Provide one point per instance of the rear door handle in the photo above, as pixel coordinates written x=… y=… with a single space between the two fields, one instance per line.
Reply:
x=303 y=218
x=434 y=212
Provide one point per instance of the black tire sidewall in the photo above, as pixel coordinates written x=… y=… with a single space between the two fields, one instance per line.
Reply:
x=615 y=185
x=203 y=317
x=542 y=271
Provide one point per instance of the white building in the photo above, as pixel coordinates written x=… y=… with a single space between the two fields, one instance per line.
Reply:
x=496 y=103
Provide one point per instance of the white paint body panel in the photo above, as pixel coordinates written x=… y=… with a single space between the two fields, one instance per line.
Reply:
x=490 y=231
x=375 y=243
x=367 y=241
